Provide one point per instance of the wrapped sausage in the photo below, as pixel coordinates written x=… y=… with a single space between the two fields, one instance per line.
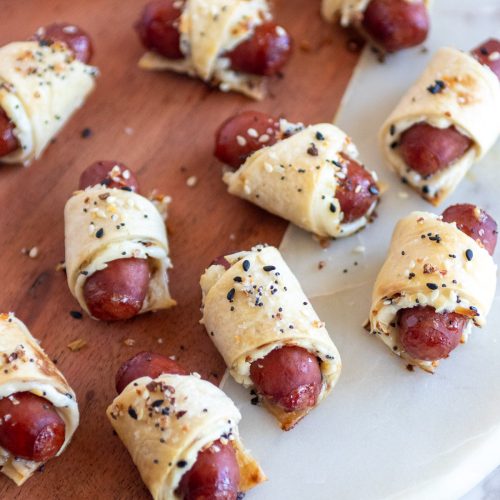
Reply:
x=432 y=263
x=254 y=305
x=209 y=29
x=104 y=224
x=41 y=86
x=297 y=178
x=390 y=25
x=165 y=422
x=455 y=92
x=25 y=368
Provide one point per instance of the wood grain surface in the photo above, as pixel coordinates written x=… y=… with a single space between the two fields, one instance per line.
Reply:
x=162 y=126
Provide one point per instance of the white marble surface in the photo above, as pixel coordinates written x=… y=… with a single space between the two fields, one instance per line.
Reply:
x=386 y=433
x=488 y=489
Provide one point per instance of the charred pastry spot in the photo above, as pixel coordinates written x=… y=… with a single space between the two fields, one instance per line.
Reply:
x=436 y=87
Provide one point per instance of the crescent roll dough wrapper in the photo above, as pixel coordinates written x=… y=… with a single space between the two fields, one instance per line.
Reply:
x=256 y=306
x=296 y=178
x=455 y=89
x=349 y=11
x=210 y=28
x=102 y=225
x=24 y=367
x=427 y=265
x=164 y=439
x=40 y=88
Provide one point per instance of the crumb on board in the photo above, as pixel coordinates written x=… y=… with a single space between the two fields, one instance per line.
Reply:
x=192 y=181
x=359 y=249
x=321 y=264
x=77 y=345
x=61 y=266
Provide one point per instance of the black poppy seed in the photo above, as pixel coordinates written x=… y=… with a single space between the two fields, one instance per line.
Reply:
x=394 y=145
x=469 y=254
x=432 y=286
x=126 y=188
x=392 y=129
x=269 y=268
x=452 y=255
x=86 y=133
x=99 y=233
x=76 y=314
x=230 y=294
x=165 y=411
x=237 y=279
x=246 y=265
x=132 y=413
x=181 y=464
x=333 y=208
x=436 y=87
x=403 y=252
x=157 y=403
x=255 y=400
x=155 y=461
x=320 y=136
x=425 y=189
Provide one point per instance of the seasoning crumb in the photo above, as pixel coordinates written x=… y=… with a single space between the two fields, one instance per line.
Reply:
x=33 y=253
x=359 y=249
x=77 y=345
x=86 y=133
x=409 y=367
x=192 y=181
x=61 y=266
x=129 y=342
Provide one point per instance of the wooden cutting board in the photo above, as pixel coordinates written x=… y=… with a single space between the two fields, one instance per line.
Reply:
x=162 y=126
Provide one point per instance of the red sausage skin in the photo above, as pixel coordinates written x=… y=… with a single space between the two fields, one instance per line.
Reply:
x=118 y=291
x=109 y=173
x=30 y=427
x=474 y=222
x=395 y=24
x=265 y=53
x=427 y=149
x=357 y=192
x=243 y=134
x=8 y=141
x=215 y=475
x=158 y=28
x=290 y=377
x=146 y=364
x=428 y=335
x=75 y=38
x=486 y=54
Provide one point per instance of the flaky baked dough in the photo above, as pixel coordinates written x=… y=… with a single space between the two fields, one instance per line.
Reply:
x=210 y=28
x=24 y=367
x=104 y=224
x=164 y=423
x=470 y=101
x=296 y=178
x=40 y=88
x=243 y=330
x=426 y=252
